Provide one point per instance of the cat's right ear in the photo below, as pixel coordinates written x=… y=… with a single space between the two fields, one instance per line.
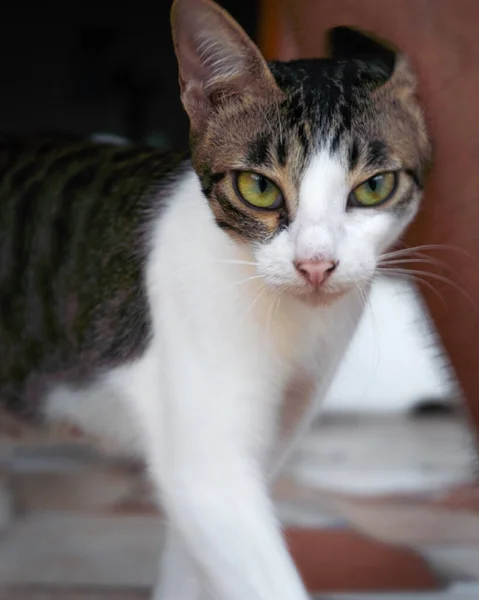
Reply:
x=217 y=61
x=347 y=42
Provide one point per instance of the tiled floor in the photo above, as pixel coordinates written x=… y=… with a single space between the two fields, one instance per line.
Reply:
x=380 y=455
x=82 y=522
x=43 y=593
x=466 y=592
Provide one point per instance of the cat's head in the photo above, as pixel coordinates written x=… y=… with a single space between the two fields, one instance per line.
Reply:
x=317 y=165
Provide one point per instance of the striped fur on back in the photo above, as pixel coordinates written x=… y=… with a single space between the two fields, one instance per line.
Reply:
x=74 y=216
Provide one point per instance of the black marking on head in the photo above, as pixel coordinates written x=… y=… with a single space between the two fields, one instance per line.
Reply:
x=377 y=154
x=224 y=225
x=330 y=95
x=345 y=114
x=283 y=219
x=414 y=175
x=335 y=140
x=217 y=177
x=353 y=154
x=239 y=221
x=303 y=139
x=208 y=180
x=347 y=43
x=258 y=150
x=281 y=151
x=296 y=109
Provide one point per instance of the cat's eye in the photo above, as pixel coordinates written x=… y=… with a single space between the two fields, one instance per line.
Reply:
x=257 y=190
x=375 y=191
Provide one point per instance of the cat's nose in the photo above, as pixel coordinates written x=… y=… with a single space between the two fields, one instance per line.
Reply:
x=316 y=271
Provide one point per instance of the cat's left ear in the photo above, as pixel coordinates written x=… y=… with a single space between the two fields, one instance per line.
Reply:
x=217 y=61
x=347 y=42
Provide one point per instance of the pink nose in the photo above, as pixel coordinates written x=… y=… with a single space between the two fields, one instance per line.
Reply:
x=316 y=271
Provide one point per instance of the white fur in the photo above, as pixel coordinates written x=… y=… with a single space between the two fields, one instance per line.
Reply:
x=222 y=62
x=203 y=403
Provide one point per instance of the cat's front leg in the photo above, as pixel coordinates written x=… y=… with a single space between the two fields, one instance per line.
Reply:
x=223 y=514
x=204 y=447
x=178 y=575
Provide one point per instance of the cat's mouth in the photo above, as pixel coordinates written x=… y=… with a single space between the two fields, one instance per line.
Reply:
x=321 y=297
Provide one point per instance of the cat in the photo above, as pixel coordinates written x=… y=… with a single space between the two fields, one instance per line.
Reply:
x=190 y=309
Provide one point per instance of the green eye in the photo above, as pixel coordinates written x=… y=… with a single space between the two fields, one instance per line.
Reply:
x=375 y=190
x=258 y=191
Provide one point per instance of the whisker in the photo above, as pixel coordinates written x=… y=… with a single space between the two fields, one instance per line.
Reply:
x=442 y=279
x=367 y=302
x=406 y=274
x=359 y=292
x=410 y=254
x=250 y=307
x=428 y=247
x=414 y=253
x=278 y=304
x=445 y=247
x=241 y=281
x=427 y=260
x=270 y=315
x=238 y=262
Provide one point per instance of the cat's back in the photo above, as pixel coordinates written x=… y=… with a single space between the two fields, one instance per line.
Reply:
x=74 y=219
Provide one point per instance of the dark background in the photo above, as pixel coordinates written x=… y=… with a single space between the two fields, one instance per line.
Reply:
x=98 y=68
